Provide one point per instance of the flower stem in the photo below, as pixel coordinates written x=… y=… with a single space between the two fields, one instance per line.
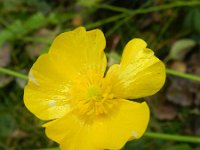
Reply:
x=105 y=21
x=180 y=138
x=150 y=9
x=13 y=73
x=183 y=75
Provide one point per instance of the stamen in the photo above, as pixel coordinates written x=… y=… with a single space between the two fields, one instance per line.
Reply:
x=95 y=98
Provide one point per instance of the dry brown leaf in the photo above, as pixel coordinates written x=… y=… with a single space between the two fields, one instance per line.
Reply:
x=179 y=92
x=77 y=21
x=19 y=134
x=5 y=55
x=165 y=112
x=179 y=66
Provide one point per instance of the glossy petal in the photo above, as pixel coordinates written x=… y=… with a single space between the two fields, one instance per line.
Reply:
x=78 y=51
x=129 y=121
x=71 y=54
x=139 y=74
x=71 y=133
x=45 y=95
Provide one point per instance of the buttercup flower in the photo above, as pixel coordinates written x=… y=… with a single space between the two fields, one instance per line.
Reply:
x=89 y=108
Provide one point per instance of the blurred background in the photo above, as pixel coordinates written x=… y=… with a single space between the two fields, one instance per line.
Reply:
x=170 y=27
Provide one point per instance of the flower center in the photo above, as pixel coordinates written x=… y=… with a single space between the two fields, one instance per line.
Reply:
x=94 y=93
x=91 y=97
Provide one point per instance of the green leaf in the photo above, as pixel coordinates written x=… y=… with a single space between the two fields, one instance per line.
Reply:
x=34 y=22
x=88 y=3
x=197 y=20
x=17 y=28
x=4 y=35
x=7 y=125
x=192 y=20
x=188 y=22
x=180 y=48
x=14 y=30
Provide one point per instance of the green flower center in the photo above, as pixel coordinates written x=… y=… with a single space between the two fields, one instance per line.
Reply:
x=94 y=93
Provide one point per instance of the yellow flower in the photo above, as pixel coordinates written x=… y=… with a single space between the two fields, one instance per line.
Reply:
x=89 y=107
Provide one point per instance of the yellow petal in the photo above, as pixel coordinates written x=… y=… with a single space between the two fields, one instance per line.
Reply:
x=78 y=51
x=72 y=133
x=130 y=121
x=132 y=50
x=139 y=74
x=45 y=95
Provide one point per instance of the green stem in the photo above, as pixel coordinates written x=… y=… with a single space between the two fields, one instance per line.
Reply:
x=117 y=26
x=13 y=73
x=150 y=9
x=183 y=75
x=180 y=138
x=114 y=8
x=105 y=21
